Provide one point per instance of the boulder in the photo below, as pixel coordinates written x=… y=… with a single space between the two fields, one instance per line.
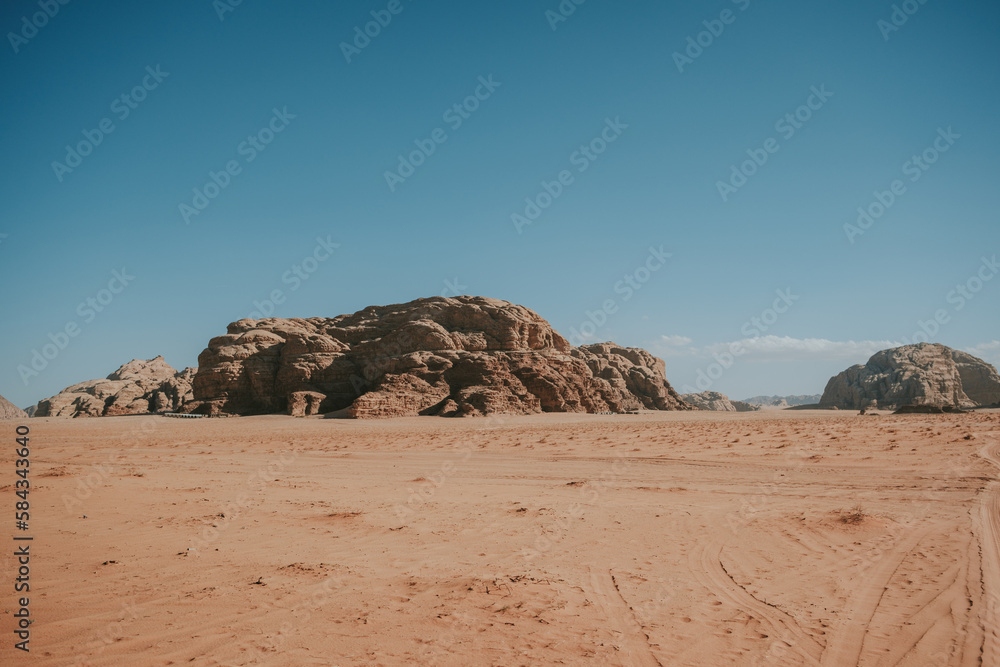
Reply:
x=138 y=387
x=452 y=356
x=716 y=402
x=913 y=375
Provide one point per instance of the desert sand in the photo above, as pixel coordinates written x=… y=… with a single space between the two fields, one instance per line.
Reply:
x=776 y=538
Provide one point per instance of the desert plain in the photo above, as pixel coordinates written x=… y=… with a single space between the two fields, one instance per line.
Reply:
x=661 y=538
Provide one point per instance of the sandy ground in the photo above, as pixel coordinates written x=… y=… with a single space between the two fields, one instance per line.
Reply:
x=777 y=538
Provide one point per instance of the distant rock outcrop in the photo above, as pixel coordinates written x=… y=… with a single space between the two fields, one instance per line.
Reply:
x=920 y=374
x=10 y=411
x=716 y=402
x=439 y=356
x=138 y=387
x=783 y=401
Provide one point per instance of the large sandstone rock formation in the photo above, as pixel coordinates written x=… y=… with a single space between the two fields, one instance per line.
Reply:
x=10 y=411
x=716 y=402
x=440 y=356
x=921 y=374
x=138 y=387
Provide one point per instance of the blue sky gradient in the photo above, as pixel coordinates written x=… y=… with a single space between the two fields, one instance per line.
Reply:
x=449 y=225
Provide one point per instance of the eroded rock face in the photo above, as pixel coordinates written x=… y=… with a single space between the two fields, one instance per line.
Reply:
x=716 y=402
x=10 y=411
x=980 y=380
x=305 y=403
x=442 y=356
x=921 y=374
x=138 y=387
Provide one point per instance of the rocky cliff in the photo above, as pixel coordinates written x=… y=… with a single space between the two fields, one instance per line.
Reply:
x=10 y=411
x=921 y=374
x=138 y=387
x=439 y=356
x=716 y=402
x=980 y=380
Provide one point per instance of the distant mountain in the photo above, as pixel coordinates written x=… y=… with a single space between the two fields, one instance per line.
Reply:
x=10 y=411
x=783 y=401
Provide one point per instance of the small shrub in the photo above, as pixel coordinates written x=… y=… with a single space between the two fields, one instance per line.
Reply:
x=855 y=515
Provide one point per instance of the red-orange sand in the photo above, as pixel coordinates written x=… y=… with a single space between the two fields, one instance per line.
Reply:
x=775 y=538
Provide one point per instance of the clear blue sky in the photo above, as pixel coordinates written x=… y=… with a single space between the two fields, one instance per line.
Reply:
x=656 y=184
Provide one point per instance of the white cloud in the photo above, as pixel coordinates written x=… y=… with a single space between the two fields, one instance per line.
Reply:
x=780 y=348
x=992 y=346
x=675 y=346
x=676 y=341
x=987 y=351
x=786 y=348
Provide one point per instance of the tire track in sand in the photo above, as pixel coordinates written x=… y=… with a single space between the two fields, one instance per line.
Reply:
x=621 y=618
x=848 y=637
x=712 y=574
x=936 y=605
x=987 y=521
